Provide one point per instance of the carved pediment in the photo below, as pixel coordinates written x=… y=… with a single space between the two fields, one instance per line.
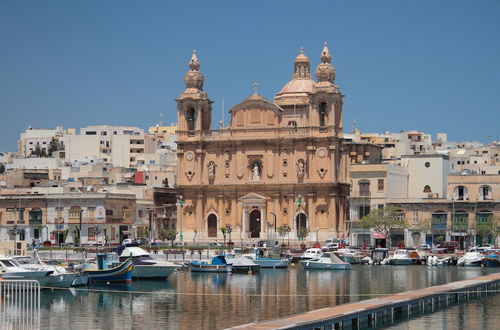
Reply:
x=253 y=197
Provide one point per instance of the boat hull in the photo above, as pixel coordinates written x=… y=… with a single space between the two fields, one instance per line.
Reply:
x=152 y=272
x=246 y=269
x=308 y=264
x=272 y=263
x=197 y=266
x=400 y=262
x=120 y=274
x=61 y=280
x=41 y=276
x=81 y=279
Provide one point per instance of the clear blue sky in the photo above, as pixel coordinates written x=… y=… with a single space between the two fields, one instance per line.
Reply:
x=426 y=65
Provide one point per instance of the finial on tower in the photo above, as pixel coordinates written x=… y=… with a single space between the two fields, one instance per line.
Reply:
x=325 y=72
x=194 y=64
x=301 y=50
x=193 y=78
x=325 y=54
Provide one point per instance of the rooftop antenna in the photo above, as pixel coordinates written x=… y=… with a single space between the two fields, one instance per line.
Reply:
x=354 y=126
x=161 y=119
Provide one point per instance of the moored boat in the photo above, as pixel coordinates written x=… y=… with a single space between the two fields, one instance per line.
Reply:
x=243 y=265
x=145 y=266
x=10 y=269
x=110 y=270
x=218 y=264
x=471 y=259
x=400 y=257
x=349 y=255
x=491 y=260
x=327 y=261
x=312 y=253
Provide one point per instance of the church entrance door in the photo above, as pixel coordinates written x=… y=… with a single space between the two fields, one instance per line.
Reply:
x=212 y=225
x=301 y=223
x=255 y=220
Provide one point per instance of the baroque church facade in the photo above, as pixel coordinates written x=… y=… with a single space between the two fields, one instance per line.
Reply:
x=279 y=162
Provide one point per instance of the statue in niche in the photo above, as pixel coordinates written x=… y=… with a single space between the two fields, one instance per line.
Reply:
x=256 y=172
x=211 y=169
x=300 y=167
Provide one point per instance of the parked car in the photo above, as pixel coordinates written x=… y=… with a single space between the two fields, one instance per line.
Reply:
x=423 y=247
x=215 y=245
x=330 y=247
x=482 y=249
x=141 y=241
x=179 y=244
x=450 y=246
x=127 y=241
x=158 y=243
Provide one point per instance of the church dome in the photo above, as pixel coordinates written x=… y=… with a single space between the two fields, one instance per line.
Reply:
x=297 y=89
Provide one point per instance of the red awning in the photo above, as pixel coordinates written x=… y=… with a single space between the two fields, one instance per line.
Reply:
x=377 y=235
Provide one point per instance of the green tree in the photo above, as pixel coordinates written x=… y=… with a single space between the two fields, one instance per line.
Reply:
x=64 y=233
x=490 y=227
x=303 y=231
x=283 y=231
x=106 y=238
x=53 y=146
x=171 y=235
x=383 y=220
x=224 y=233
x=76 y=236
x=162 y=233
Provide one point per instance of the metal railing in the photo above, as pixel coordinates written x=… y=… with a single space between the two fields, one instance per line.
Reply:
x=19 y=304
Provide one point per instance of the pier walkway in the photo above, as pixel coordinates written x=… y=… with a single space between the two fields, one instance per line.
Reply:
x=369 y=313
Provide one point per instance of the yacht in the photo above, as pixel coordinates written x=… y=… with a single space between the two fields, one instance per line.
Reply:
x=60 y=278
x=400 y=257
x=145 y=266
x=312 y=253
x=10 y=269
x=327 y=261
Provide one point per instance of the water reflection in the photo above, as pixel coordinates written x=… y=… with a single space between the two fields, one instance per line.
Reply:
x=212 y=301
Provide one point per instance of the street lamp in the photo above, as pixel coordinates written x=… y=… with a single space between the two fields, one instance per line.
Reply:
x=14 y=231
x=181 y=202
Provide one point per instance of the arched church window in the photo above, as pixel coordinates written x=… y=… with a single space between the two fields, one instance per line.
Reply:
x=322 y=113
x=190 y=119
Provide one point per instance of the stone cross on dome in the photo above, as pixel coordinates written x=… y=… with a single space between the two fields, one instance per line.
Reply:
x=255 y=88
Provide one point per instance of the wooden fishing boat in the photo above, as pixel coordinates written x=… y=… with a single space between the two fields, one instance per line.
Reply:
x=110 y=271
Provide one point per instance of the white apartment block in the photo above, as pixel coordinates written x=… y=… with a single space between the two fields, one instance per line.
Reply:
x=32 y=138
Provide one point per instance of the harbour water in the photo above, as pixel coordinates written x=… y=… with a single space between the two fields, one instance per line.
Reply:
x=213 y=301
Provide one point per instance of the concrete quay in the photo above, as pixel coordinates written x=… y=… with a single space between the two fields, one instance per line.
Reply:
x=384 y=310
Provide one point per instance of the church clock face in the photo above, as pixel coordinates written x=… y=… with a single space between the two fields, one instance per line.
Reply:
x=189 y=156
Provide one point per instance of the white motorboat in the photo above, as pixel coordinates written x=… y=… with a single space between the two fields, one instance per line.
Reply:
x=10 y=269
x=400 y=257
x=471 y=259
x=349 y=255
x=327 y=261
x=145 y=266
x=60 y=278
x=312 y=253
